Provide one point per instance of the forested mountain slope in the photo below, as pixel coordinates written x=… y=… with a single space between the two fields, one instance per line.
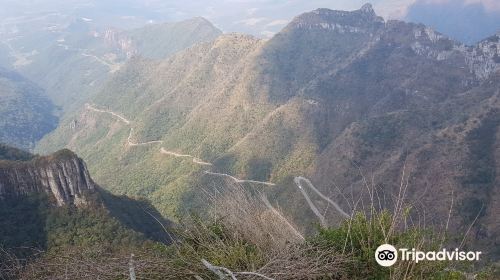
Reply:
x=344 y=98
x=26 y=115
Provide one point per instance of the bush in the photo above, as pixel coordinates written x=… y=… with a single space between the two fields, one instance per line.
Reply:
x=359 y=237
x=245 y=237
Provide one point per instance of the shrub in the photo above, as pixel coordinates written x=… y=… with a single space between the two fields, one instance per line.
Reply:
x=359 y=237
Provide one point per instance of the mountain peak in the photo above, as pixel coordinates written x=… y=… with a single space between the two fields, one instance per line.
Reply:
x=201 y=20
x=195 y=20
x=367 y=8
x=363 y=20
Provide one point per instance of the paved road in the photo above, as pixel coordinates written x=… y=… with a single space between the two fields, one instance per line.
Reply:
x=313 y=207
x=299 y=180
x=240 y=180
x=113 y=67
x=132 y=143
x=171 y=153
x=195 y=159
x=120 y=117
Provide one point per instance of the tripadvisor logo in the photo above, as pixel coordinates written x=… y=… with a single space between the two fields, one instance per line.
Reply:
x=387 y=255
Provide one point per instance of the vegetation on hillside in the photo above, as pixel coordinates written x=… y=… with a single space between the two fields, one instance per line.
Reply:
x=26 y=115
x=255 y=242
x=333 y=95
x=51 y=228
x=162 y=40
x=11 y=153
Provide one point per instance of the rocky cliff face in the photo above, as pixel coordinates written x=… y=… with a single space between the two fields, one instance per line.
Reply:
x=62 y=176
x=118 y=40
x=482 y=59
x=363 y=20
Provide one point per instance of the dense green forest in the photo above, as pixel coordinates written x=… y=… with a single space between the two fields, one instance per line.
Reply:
x=26 y=114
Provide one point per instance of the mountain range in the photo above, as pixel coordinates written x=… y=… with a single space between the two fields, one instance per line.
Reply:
x=71 y=57
x=359 y=105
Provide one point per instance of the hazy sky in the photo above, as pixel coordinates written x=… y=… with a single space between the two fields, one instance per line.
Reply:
x=265 y=17
x=465 y=20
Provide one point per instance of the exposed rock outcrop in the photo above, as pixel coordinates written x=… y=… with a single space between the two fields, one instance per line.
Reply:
x=482 y=59
x=119 y=40
x=363 y=20
x=62 y=176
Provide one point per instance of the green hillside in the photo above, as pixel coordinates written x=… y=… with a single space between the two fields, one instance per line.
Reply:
x=26 y=115
x=343 y=98
x=10 y=153
x=162 y=40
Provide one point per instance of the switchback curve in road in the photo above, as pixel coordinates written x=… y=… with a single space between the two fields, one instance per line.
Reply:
x=239 y=180
x=300 y=179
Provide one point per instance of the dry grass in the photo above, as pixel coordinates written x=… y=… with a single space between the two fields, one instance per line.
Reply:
x=245 y=237
x=252 y=216
x=307 y=261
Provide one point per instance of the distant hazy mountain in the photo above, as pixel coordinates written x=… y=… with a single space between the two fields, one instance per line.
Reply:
x=162 y=40
x=343 y=98
x=26 y=115
x=466 y=22
x=71 y=59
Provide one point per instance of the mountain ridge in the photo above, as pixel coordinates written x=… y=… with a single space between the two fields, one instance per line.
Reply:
x=342 y=20
x=316 y=100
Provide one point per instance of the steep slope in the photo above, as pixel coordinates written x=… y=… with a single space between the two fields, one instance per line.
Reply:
x=62 y=176
x=336 y=96
x=26 y=115
x=227 y=52
x=162 y=40
x=51 y=203
x=10 y=153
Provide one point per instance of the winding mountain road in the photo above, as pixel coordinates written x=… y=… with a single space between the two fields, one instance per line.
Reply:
x=240 y=180
x=313 y=207
x=298 y=181
x=113 y=67
x=170 y=153
x=120 y=117
x=132 y=144
x=195 y=159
